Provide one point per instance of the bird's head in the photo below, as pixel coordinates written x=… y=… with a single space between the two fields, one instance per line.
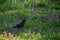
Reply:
x=24 y=19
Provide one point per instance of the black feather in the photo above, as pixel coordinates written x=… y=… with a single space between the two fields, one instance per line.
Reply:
x=21 y=24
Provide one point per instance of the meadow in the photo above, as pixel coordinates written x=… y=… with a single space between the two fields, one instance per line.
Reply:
x=42 y=20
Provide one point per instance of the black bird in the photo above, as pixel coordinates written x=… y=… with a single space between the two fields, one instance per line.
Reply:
x=21 y=24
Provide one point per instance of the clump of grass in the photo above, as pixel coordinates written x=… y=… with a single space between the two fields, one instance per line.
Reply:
x=8 y=36
x=25 y=36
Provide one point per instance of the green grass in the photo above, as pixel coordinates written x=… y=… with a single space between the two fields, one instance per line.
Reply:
x=13 y=12
x=29 y=36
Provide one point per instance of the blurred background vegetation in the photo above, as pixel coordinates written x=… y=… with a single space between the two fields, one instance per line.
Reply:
x=42 y=15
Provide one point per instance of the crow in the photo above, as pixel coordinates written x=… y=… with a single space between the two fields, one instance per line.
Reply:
x=21 y=24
